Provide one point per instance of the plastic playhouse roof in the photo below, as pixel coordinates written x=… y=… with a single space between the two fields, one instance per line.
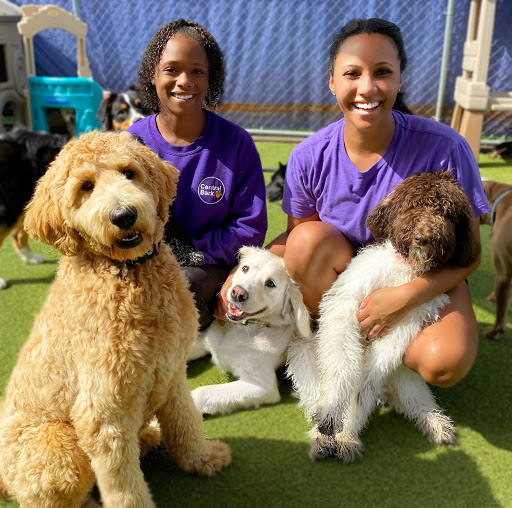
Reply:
x=9 y=11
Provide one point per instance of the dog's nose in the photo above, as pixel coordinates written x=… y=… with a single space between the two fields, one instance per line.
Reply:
x=420 y=240
x=123 y=217
x=239 y=294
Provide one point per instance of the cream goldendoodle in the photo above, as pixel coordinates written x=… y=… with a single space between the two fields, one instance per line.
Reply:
x=266 y=311
x=108 y=351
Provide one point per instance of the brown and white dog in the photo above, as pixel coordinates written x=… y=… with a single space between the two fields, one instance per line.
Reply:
x=120 y=110
x=339 y=374
x=499 y=196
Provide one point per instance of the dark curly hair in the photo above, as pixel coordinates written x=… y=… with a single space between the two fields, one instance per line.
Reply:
x=368 y=26
x=153 y=53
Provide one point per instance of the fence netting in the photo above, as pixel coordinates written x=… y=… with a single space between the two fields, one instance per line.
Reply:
x=277 y=52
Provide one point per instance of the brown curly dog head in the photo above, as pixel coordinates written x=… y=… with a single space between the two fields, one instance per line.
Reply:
x=105 y=193
x=428 y=219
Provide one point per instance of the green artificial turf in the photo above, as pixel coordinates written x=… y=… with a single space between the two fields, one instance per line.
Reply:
x=271 y=468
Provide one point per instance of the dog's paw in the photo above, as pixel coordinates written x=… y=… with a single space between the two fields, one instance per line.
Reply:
x=149 y=438
x=347 y=449
x=493 y=333
x=134 y=497
x=214 y=457
x=211 y=401
x=320 y=445
x=181 y=243
x=3 y=284
x=186 y=255
x=203 y=401
x=437 y=428
x=29 y=257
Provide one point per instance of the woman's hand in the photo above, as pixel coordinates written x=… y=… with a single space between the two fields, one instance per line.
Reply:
x=222 y=304
x=221 y=307
x=381 y=310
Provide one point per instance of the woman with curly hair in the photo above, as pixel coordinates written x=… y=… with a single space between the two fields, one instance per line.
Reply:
x=220 y=202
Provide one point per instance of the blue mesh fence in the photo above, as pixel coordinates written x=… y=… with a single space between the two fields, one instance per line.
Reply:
x=277 y=52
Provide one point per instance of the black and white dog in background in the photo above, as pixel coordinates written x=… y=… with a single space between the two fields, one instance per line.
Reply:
x=24 y=158
x=274 y=189
x=120 y=110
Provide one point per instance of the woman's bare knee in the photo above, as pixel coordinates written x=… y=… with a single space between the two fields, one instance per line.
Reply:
x=442 y=373
x=315 y=254
x=443 y=370
x=316 y=247
x=444 y=352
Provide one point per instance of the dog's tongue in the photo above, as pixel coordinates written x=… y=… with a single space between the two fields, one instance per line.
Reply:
x=234 y=310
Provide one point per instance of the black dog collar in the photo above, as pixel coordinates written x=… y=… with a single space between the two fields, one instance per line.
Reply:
x=142 y=259
x=130 y=263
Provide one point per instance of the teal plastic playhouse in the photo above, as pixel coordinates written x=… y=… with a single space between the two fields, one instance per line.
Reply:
x=76 y=98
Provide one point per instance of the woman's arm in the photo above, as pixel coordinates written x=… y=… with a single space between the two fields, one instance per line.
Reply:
x=384 y=308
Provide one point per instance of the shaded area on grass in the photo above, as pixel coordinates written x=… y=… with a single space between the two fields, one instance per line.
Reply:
x=277 y=472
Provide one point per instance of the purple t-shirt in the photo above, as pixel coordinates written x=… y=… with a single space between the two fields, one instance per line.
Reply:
x=321 y=178
x=221 y=191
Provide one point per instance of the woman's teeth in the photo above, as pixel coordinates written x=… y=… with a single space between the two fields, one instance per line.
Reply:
x=366 y=105
x=183 y=96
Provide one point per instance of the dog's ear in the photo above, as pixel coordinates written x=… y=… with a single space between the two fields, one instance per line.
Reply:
x=138 y=139
x=243 y=252
x=104 y=111
x=299 y=310
x=378 y=220
x=468 y=247
x=164 y=176
x=459 y=208
x=169 y=176
x=43 y=218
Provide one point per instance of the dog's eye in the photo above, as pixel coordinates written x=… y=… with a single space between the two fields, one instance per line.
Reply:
x=245 y=268
x=129 y=174
x=87 y=186
x=270 y=283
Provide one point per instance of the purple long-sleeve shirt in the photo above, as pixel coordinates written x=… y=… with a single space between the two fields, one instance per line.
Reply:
x=221 y=192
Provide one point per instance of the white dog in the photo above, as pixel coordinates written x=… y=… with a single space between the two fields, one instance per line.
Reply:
x=339 y=374
x=265 y=311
